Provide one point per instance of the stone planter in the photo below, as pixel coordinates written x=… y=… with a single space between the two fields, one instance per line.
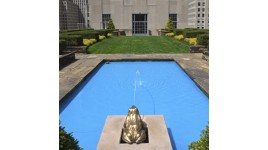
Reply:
x=66 y=59
x=198 y=49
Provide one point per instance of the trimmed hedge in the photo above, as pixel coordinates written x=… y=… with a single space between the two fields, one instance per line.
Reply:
x=72 y=40
x=87 y=34
x=191 y=29
x=62 y=44
x=203 y=39
x=73 y=30
x=193 y=33
x=104 y=32
x=178 y=31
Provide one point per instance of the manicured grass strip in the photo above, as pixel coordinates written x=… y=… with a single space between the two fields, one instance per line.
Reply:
x=139 y=45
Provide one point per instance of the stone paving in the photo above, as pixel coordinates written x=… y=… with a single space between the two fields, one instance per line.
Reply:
x=71 y=75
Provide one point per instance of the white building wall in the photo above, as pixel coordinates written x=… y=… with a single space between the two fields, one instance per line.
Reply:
x=157 y=13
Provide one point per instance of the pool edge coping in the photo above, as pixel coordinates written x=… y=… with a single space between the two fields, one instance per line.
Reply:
x=104 y=60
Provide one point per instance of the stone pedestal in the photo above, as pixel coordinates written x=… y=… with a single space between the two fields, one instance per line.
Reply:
x=157 y=132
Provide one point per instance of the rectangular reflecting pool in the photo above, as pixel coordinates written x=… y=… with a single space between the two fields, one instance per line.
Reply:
x=155 y=87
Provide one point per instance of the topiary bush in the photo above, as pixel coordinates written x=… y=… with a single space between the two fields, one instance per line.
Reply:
x=203 y=39
x=110 y=24
x=67 y=141
x=169 y=26
x=202 y=143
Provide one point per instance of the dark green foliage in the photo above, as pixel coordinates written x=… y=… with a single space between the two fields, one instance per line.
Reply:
x=67 y=141
x=202 y=143
x=194 y=33
x=203 y=39
x=110 y=24
x=72 y=40
x=105 y=32
x=169 y=26
x=73 y=30
x=190 y=29
x=62 y=44
x=88 y=33
x=178 y=31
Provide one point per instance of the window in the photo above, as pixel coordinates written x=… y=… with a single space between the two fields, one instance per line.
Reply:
x=203 y=15
x=198 y=9
x=173 y=18
x=198 y=15
x=202 y=27
x=198 y=3
x=203 y=4
x=203 y=9
x=198 y=21
x=105 y=19
x=202 y=21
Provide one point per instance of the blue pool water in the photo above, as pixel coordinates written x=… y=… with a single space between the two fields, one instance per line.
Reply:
x=162 y=88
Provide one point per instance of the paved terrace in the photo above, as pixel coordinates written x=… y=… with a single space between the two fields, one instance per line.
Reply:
x=73 y=74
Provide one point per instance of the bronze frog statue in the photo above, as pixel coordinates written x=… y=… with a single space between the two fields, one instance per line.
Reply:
x=134 y=130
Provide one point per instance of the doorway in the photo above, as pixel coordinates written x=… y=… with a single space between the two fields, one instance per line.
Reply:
x=139 y=24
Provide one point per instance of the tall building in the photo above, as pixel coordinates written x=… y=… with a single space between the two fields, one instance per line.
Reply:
x=83 y=13
x=68 y=15
x=198 y=14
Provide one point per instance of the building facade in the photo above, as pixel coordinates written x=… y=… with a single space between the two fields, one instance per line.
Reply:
x=198 y=14
x=145 y=17
x=136 y=17
x=68 y=15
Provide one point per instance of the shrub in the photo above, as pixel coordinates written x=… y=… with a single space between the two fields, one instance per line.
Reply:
x=67 y=141
x=203 y=39
x=193 y=33
x=178 y=37
x=177 y=31
x=191 y=41
x=110 y=24
x=202 y=143
x=102 y=32
x=101 y=37
x=170 y=34
x=72 y=40
x=93 y=40
x=169 y=26
x=109 y=34
x=191 y=29
x=62 y=44
x=89 y=42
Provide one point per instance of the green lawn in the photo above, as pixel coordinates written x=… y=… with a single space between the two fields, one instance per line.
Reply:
x=139 y=45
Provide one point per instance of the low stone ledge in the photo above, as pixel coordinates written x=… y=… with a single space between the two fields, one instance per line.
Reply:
x=66 y=59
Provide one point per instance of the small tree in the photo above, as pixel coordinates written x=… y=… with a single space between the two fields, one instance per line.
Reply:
x=169 y=25
x=67 y=141
x=202 y=143
x=110 y=24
